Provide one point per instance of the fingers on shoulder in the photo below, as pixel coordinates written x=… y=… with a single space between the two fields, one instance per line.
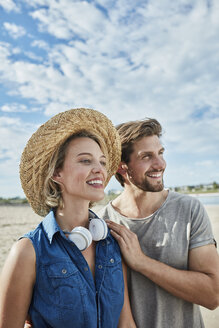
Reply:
x=117 y=227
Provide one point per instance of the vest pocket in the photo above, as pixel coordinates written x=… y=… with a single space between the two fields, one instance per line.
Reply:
x=61 y=295
x=61 y=270
x=113 y=280
x=65 y=284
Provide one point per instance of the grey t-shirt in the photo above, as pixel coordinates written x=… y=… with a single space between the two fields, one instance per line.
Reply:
x=179 y=225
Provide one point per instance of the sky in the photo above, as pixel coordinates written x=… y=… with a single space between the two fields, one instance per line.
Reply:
x=129 y=60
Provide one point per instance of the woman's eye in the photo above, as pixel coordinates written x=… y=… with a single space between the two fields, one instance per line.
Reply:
x=103 y=163
x=86 y=161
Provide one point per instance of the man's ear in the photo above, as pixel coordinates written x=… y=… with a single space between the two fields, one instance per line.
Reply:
x=122 y=168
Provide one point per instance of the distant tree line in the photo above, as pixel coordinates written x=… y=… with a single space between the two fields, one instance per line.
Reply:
x=201 y=188
x=13 y=201
x=111 y=194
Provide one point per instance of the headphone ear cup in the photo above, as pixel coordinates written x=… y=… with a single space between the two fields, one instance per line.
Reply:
x=81 y=237
x=98 y=229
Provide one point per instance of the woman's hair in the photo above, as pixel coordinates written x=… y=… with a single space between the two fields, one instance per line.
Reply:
x=52 y=190
x=133 y=131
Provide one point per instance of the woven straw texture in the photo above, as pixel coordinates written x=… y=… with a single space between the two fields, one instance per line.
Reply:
x=48 y=138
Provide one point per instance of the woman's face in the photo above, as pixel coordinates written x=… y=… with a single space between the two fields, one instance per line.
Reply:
x=84 y=171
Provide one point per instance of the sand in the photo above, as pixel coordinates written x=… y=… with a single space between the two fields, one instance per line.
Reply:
x=16 y=220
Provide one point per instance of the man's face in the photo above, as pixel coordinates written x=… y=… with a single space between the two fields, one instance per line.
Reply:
x=147 y=165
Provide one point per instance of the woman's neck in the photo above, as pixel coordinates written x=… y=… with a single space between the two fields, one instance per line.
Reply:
x=72 y=214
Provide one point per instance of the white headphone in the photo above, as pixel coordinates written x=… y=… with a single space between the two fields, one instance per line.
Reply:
x=83 y=237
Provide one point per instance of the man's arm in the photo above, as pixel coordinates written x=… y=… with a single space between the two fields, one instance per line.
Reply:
x=126 y=319
x=199 y=284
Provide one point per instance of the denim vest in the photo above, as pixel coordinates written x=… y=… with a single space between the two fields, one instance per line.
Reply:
x=65 y=294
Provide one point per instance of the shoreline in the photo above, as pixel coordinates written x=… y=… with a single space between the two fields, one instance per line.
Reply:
x=206 y=194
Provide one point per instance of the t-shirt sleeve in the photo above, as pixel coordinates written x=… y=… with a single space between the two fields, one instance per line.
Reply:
x=201 y=231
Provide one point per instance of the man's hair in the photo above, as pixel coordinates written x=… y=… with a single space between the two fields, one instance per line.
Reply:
x=133 y=131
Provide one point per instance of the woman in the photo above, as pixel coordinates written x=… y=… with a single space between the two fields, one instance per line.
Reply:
x=68 y=271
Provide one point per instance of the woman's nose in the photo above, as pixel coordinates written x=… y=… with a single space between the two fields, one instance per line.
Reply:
x=97 y=167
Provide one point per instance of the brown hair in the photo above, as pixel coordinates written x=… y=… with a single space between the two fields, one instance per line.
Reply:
x=52 y=190
x=132 y=131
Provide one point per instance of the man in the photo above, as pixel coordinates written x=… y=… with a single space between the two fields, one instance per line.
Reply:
x=165 y=237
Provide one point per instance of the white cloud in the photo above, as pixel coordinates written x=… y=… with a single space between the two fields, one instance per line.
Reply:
x=14 y=134
x=129 y=60
x=19 y=108
x=40 y=44
x=160 y=68
x=15 y=31
x=197 y=173
x=9 y=5
x=67 y=19
x=9 y=108
x=55 y=108
x=33 y=56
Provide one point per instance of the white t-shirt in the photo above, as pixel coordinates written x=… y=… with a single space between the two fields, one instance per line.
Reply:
x=179 y=225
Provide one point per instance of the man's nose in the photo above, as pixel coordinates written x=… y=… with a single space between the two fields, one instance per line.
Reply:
x=159 y=162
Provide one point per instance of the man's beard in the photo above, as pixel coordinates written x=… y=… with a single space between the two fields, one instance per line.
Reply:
x=145 y=185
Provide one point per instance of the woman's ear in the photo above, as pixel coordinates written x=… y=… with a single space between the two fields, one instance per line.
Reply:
x=122 y=168
x=56 y=176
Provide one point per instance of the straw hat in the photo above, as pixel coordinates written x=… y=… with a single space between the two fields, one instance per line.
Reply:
x=50 y=136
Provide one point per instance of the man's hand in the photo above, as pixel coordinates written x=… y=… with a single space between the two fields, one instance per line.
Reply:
x=28 y=323
x=129 y=245
x=199 y=284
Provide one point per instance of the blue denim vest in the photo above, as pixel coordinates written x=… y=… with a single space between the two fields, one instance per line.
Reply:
x=65 y=294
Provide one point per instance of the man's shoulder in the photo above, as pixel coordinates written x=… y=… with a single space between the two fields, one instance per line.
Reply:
x=105 y=211
x=100 y=209
x=184 y=202
x=176 y=196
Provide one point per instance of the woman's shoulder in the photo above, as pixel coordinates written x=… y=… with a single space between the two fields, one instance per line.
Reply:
x=22 y=251
x=21 y=261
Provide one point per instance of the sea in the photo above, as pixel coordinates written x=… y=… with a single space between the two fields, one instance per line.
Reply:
x=207 y=199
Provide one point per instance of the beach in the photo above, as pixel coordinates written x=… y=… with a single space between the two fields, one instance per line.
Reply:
x=16 y=220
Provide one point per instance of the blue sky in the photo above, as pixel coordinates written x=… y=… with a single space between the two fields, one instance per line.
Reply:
x=128 y=59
